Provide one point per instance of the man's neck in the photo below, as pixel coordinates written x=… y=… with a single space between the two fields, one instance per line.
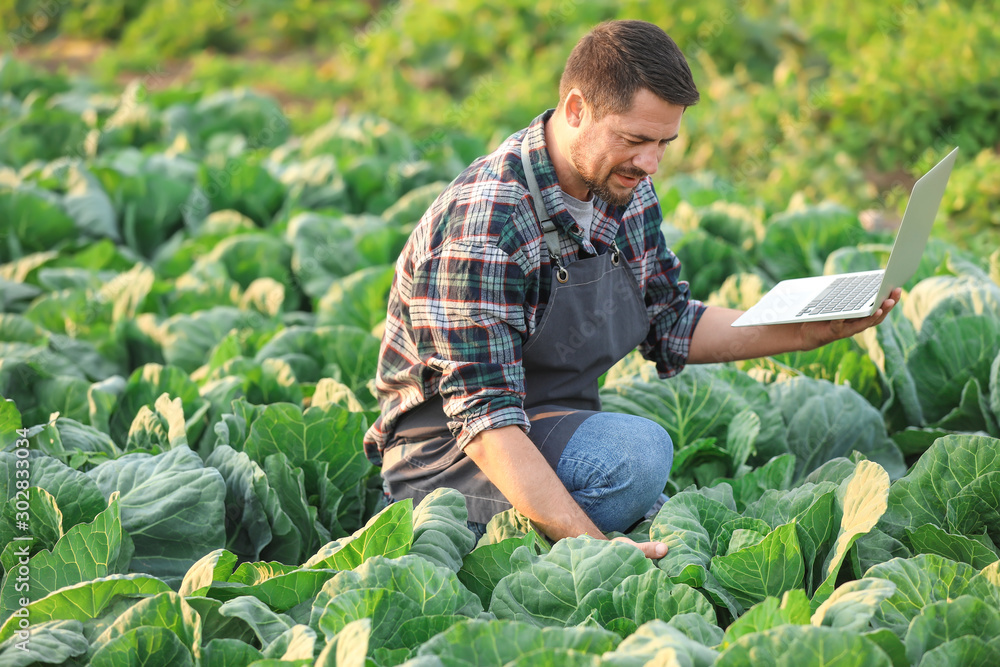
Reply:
x=557 y=141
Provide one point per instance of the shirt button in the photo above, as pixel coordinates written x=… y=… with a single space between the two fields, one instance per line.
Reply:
x=576 y=229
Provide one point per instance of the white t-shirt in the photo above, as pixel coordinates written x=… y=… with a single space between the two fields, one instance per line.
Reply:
x=582 y=212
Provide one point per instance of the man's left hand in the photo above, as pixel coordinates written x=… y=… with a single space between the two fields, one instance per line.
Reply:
x=816 y=334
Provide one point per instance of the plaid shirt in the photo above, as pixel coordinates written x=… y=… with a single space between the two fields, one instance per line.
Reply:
x=472 y=283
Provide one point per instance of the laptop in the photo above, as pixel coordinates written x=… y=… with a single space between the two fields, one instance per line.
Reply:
x=849 y=295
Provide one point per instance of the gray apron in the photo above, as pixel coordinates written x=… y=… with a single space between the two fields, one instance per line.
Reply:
x=594 y=317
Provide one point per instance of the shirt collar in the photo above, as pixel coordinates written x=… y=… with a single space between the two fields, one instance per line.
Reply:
x=548 y=183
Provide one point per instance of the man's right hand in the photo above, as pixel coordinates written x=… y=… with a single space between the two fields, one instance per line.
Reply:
x=512 y=462
x=651 y=550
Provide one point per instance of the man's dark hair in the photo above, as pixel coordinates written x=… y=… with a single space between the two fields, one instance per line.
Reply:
x=612 y=62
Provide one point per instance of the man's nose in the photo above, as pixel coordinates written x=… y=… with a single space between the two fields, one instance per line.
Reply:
x=648 y=159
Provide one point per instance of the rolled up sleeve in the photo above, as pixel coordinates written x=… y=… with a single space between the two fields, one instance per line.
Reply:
x=467 y=315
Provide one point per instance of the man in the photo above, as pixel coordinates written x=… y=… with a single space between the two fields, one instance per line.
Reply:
x=534 y=272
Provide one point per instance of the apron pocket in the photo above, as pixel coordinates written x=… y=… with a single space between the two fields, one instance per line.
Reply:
x=408 y=459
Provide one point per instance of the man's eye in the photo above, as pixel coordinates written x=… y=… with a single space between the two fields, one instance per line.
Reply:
x=630 y=142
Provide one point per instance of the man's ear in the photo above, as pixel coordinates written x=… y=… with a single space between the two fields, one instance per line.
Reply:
x=576 y=108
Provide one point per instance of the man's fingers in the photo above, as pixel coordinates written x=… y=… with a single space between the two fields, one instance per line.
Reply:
x=653 y=550
x=887 y=305
x=649 y=549
x=883 y=311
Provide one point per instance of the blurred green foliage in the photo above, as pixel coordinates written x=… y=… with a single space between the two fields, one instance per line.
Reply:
x=836 y=100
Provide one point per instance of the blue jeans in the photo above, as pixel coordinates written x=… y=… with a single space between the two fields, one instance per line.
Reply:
x=615 y=466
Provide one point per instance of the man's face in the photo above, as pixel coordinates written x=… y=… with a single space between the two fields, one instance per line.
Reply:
x=615 y=153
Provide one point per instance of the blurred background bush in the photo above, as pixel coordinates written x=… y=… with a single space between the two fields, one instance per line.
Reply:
x=804 y=99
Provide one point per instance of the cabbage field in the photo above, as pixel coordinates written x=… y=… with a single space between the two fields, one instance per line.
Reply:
x=191 y=303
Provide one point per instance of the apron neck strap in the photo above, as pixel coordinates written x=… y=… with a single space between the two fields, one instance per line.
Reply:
x=549 y=230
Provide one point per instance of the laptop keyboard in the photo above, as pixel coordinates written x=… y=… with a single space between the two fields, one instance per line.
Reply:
x=844 y=295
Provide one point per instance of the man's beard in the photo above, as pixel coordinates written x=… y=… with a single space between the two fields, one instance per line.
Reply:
x=602 y=187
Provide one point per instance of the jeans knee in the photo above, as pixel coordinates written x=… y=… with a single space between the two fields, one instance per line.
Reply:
x=648 y=455
x=652 y=448
x=616 y=466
